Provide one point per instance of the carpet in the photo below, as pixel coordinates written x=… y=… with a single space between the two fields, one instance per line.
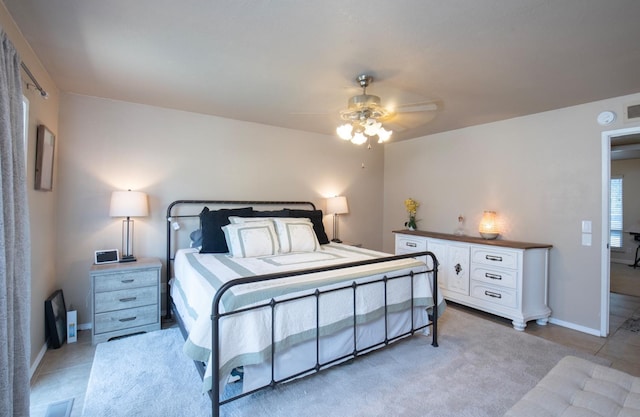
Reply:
x=480 y=369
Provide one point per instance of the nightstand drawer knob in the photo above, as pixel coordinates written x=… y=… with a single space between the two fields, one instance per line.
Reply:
x=128 y=319
x=124 y=300
x=411 y=244
x=493 y=294
x=127 y=281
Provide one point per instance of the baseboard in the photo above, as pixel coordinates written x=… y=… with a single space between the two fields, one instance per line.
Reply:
x=573 y=326
x=85 y=326
x=35 y=364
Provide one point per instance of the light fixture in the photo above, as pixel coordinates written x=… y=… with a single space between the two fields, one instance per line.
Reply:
x=128 y=204
x=489 y=225
x=364 y=116
x=337 y=205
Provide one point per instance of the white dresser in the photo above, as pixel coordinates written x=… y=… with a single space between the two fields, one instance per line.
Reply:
x=126 y=298
x=506 y=278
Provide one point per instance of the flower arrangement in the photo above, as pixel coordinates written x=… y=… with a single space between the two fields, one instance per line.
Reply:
x=412 y=207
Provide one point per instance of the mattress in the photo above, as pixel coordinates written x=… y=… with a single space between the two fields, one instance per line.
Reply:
x=246 y=337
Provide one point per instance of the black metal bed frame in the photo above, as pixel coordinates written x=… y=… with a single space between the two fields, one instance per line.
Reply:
x=216 y=316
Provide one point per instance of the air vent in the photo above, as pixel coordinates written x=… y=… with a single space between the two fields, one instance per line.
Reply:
x=633 y=112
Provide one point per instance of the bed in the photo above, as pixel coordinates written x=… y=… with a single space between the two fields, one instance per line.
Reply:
x=277 y=301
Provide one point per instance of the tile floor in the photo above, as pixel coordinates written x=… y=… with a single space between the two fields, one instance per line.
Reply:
x=64 y=373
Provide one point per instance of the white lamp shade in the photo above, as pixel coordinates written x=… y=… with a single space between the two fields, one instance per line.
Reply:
x=129 y=204
x=337 y=205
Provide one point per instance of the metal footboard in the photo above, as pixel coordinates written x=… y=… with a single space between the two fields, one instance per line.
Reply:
x=216 y=316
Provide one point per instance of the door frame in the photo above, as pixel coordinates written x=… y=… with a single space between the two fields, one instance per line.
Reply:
x=605 y=272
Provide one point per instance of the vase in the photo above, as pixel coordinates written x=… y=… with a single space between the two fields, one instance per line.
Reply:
x=412 y=228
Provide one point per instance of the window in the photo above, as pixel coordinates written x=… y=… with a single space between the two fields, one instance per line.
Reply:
x=615 y=215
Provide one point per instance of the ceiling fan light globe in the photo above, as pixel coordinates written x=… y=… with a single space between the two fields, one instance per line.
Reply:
x=344 y=131
x=359 y=138
x=384 y=135
x=371 y=127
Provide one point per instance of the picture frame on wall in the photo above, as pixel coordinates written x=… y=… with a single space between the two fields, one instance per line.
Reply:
x=45 y=147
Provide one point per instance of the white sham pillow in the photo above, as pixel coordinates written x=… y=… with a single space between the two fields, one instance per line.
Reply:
x=251 y=239
x=296 y=235
x=238 y=220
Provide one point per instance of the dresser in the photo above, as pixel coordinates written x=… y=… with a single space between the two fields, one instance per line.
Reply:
x=125 y=298
x=506 y=278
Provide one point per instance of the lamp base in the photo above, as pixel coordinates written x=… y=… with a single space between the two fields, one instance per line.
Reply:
x=129 y=258
x=336 y=240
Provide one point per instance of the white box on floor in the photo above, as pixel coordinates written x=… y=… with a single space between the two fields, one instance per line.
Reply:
x=72 y=326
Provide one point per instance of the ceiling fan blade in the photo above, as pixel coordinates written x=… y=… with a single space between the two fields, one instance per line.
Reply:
x=425 y=106
x=404 y=121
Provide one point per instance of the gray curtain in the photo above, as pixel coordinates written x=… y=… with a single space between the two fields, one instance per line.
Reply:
x=15 y=256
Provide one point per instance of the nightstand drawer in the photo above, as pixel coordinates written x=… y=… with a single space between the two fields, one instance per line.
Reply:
x=502 y=277
x=494 y=257
x=125 y=280
x=124 y=319
x=495 y=295
x=117 y=300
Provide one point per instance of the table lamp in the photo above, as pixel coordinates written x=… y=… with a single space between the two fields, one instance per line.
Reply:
x=128 y=204
x=337 y=205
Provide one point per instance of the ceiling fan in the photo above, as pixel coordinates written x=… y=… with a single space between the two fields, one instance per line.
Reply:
x=365 y=114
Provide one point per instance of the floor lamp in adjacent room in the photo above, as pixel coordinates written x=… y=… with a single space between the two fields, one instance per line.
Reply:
x=128 y=204
x=336 y=206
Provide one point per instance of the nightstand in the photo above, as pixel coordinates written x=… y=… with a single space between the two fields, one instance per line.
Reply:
x=125 y=298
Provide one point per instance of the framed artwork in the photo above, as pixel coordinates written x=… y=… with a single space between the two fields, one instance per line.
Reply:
x=45 y=147
x=55 y=314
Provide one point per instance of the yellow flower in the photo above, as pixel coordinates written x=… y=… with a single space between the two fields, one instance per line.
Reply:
x=411 y=206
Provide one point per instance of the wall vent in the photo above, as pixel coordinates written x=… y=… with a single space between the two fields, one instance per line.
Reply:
x=633 y=112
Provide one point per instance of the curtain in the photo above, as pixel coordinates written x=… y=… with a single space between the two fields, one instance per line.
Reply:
x=15 y=256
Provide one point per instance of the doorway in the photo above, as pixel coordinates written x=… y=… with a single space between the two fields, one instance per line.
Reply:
x=622 y=140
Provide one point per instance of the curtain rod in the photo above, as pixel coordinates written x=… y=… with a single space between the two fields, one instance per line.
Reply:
x=36 y=84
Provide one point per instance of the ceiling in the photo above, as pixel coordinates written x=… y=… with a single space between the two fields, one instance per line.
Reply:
x=293 y=63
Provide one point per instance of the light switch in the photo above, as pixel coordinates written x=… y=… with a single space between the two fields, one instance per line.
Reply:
x=586 y=239
x=586 y=226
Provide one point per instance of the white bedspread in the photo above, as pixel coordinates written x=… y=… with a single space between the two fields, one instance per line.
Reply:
x=246 y=337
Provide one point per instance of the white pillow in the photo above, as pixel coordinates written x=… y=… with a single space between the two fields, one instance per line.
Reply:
x=238 y=220
x=296 y=235
x=251 y=239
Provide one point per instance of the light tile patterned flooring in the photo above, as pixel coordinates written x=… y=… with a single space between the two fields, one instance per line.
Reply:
x=64 y=373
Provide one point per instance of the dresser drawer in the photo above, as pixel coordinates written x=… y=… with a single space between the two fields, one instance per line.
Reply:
x=501 y=277
x=117 y=300
x=125 y=280
x=502 y=296
x=124 y=319
x=494 y=257
x=408 y=244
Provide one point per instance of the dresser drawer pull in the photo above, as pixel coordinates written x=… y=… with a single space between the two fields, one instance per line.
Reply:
x=493 y=276
x=493 y=294
x=128 y=319
x=411 y=244
x=493 y=258
x=127 y=281
x=124 y=300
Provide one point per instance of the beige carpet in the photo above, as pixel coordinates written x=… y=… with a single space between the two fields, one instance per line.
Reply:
x=480 y=370
x=625 y=279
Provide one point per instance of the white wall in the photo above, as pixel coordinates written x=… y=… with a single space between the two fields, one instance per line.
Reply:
x=630 y=171
x=541 y=173
x=109 y=145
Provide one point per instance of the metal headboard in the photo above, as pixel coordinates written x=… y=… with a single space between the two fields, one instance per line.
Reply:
x=199 y=205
